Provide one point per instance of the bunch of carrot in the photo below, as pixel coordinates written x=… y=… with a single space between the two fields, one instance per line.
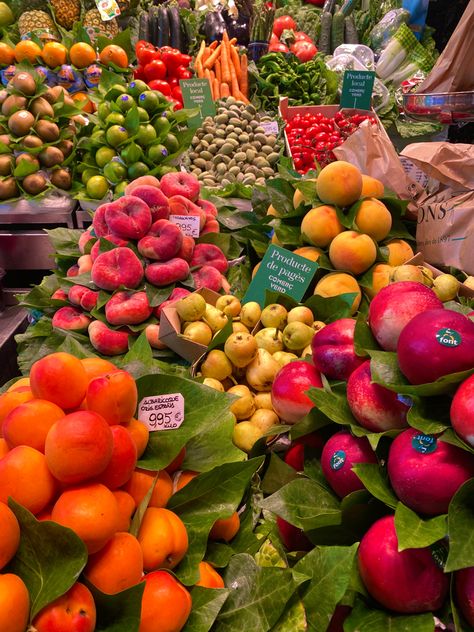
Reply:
x=224 y=67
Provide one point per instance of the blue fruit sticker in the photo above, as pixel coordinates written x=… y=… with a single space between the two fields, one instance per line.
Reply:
x=338 y=459
x=448 y=337
x=424 y=443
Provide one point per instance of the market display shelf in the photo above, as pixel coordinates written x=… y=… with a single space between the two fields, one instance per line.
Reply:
x=445 y=107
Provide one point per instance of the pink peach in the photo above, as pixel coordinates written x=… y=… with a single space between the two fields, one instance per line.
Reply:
x=187 y=248
x=89 y=300
x=99 y=223
x=211 y=255
x=162 y=243
x=117 y=267
x=59 y=295
x=141 y=181
x=128 y=217
x=180 y=183
x=71 y=319
x=155 y=199
x=162 y=274
x=76 y=293
x=107 y=341
x=152 y=333
x=85 y=264
x=128 y=308
x=176 y=294
x=84 y=239
x=96 y=249
x=209 y=277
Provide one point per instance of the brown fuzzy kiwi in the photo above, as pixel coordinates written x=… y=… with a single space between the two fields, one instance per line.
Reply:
x=47 y=131
x=51 y=156
x=34 y=184
x=40 y=107
x=8 y=188
x=66 y=146
x=24 y=83
x=13 y=103
x=6 y=164
x=32 y=142
x=61 y=178
x=21 y=122
x=52 y=94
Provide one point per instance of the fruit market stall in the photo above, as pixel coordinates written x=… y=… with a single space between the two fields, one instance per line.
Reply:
x=244 y=395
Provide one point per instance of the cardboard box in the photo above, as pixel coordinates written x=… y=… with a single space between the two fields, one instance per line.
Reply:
x=288 y=112
x=170 y=330
x=417 y=260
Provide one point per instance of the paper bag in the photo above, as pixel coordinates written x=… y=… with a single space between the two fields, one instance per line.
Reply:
x=445 y=226
x=454 y=70
x=372 y=152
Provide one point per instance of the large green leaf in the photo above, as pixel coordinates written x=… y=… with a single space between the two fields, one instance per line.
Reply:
x=430 y=414
x=257 y=598
x=278 y=474
x=119 y=612
x=415 y=533
x=333 y=308
x=65 y=240
x=330 y=569
x=363 y=337
x=366 y=619
x=376 y=482
x=293 y=618
x=207 y=603
x=460 y=531
x=212 y=495
x=204 y=408
x=304 y=504
x=39 y=297
x=49 y=560
x=334 y=405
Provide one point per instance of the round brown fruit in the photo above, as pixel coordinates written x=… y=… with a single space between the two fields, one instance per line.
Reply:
x=5 y=139
x=3 y=96
x=12 y=104
x=34 y=184
x=8 y=188
x=61 y=178
x=66 y=146
x=24 y=82
x=21 y=122
x=51 y=156
x=41 y=107
x=52 y=94
x=47 y=130
x=28 y=158
x=6 y=164
x=32 y=142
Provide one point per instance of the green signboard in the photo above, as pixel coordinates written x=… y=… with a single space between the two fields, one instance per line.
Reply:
x=357 y=89
x=281 y=271
x=197 y=94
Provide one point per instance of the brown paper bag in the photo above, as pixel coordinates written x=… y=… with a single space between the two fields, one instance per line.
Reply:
x=372 y=152
x=454 y=70
x=445 y=228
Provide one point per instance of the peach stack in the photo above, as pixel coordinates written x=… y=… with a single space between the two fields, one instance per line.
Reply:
x=69 y=444
x=131 y=243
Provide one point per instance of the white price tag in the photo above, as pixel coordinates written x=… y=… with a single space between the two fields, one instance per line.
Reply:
x=162 y=412
x=188 y=224
x=270 y=128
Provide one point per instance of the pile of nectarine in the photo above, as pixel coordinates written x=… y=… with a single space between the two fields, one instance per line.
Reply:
x=68 y=453
x=148 y=247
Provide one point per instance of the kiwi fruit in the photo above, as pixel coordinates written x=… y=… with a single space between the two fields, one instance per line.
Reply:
x=13 y=103
x=32 y=142
x=47 y=131
x=28 y=158
x=51 y=156
x=52 y=94
x=34 y=184
x=24 y=83
x=61 y=178
x=40 y=107
x=21 y=122
x=6 y=164
x=8 y=188
x=66 y=146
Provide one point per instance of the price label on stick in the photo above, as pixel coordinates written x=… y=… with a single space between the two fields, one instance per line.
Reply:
x=188 y=224
x=197 y=94
x=162 y=412
x=357 y=89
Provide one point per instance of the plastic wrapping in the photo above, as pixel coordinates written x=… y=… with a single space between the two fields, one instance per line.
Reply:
x=384 y=30
x=362 y=53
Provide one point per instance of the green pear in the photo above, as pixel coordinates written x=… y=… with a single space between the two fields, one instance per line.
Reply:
x=297 y=336
x=190 y=308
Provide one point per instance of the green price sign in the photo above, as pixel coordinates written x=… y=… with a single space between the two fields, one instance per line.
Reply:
x=357 y=89
x=197 y=94
x=281 y=271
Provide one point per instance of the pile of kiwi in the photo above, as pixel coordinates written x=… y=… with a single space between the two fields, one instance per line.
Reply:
x=35 y=137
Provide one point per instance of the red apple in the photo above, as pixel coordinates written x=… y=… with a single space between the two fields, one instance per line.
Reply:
x=426 y=472
x=434 y=343
x=293 y=538
x=394 y=306
x=464 y=587
x=180 y=183
x=462 y=411
x=375 y=407
x=408 y=582
x=333 y=349
x=72 y=612
x=123 y=460
x=295 y=455
x=289 y=388
x=341 y=452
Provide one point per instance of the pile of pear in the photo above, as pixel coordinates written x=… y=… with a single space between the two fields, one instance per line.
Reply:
x=261 y=343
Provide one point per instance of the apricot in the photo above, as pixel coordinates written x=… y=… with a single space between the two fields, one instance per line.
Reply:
x=140 y=483
x=10 y=530
x=139 y=433
x=399 y=252
x=161 y=274
x=337 y=283
x=208 y=277
x=107 y=341
x=163 y=538
x=374 y=219
x=166 y=604
x=339 y=183
x=128 y=308
x=126 y=506
x=371 y=187
x=353 y=252
x=308 y=252
x=381 y=276
x=29 y=423
x=70 y=319
x=209 y=577
x=11 y=399
x=113 y=396
x=320 y=225
x=211 y=255
x=60 y=378
x=14 y=603
x=225 y=528
x=129 y=217
x=117 y=267
x=162 y=242
x=22 y=381
x=97 y=366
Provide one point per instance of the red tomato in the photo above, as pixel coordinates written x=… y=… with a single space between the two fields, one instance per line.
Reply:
x=305 y=51
x=301 y=36
x=177 y=94
x=183 y=73
x=156 y=69
x=160 y=85
x=139 y=73
x=282 y=23
x=274 y=39
x=278 y=47
x=173 y=81
x=146 y=55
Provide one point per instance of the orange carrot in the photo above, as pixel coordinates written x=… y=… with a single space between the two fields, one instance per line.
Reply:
x=217 y=68
x=236 y=61
x=225 y=61
x=244 y=77
x=213 y=45
x=217 y=92
x=242 y=98
x=211 y=60
x=234 y=82
x=233 y=41
x=225 y=92
x=198 y=60
x=206 y=54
